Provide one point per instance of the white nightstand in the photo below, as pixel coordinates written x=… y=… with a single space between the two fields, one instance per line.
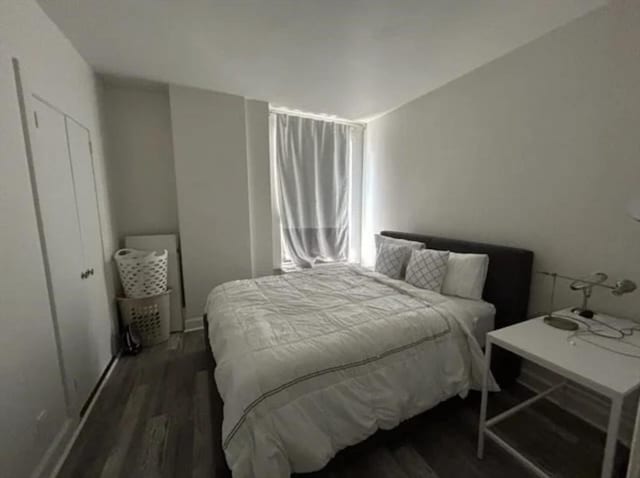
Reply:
x=603 y=371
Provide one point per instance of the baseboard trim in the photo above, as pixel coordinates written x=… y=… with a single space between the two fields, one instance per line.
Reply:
x=580 y=402
x=58 y=445
x=73 y=429
x=193 y=323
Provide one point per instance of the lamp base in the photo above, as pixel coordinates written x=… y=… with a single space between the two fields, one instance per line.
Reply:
x=560 y=323
x=586 y=313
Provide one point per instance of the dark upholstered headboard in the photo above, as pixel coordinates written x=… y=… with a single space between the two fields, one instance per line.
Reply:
x=506 y=287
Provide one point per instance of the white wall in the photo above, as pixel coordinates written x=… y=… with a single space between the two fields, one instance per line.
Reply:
x=56 y=72
x=29 y=368
x=194 y=162
x=141 y=169
x=538 y=149
x=30 y=375
x=259 y=185
x=210 y=151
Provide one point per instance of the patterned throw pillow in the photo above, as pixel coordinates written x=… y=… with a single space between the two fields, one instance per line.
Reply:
x=392 y=241
x=380 y=239
x=427 y=269
x=391 y=260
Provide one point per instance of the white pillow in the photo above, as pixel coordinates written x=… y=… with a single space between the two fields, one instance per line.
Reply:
x=391 y=260
x=427 y=269
x=466 y=274
x=379 y=240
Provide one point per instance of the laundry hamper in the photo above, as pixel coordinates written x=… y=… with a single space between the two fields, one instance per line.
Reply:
x=142 y=273
x=148 y=316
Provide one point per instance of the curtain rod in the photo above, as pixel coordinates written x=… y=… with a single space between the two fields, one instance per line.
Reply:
x=315 y=116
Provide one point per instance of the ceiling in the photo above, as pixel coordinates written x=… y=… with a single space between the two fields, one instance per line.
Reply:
x=350 y=58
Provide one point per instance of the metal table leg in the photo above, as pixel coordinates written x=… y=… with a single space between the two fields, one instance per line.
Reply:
x=612 y=437
x=485 y=397
x=633 y=471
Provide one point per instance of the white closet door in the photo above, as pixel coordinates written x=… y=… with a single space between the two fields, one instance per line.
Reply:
x=57 y=203
x=95 y=284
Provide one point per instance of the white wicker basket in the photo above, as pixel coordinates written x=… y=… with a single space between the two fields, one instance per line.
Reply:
x=142 y=273
x=149 y=317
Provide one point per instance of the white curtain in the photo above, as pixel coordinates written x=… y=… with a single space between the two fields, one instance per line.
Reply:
x=312 y=160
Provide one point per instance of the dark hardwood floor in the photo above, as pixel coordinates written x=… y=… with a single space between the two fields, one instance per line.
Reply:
x=159 y=415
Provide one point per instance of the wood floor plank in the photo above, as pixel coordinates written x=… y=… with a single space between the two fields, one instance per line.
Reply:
x=152 y=456
x=180 y=450
x=412 y=463
x=202 y=442
x=154 y=362
x=126 y=428
x=382 y=464
x=178 y=405
x=192 y=342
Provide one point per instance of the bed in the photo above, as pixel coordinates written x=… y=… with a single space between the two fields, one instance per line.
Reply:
x=309 y=363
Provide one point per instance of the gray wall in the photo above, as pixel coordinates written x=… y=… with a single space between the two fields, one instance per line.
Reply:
x=538 y=149
x=209 y=138
x=138 y=126
x=259 y=186
x=196 y=163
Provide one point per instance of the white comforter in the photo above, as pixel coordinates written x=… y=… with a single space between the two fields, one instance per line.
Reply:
x=309 y=363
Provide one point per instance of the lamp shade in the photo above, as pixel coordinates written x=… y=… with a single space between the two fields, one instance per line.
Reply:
x=634 y=209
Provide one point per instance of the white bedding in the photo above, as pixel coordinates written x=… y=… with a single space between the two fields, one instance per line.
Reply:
x=483 y=315
x=309 y=363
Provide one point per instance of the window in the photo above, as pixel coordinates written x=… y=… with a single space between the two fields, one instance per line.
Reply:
x=316 y=174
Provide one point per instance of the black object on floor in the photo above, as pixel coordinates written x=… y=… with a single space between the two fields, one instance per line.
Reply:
x=131 y=343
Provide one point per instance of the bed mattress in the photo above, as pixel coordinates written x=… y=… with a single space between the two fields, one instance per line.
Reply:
x=309 y=363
